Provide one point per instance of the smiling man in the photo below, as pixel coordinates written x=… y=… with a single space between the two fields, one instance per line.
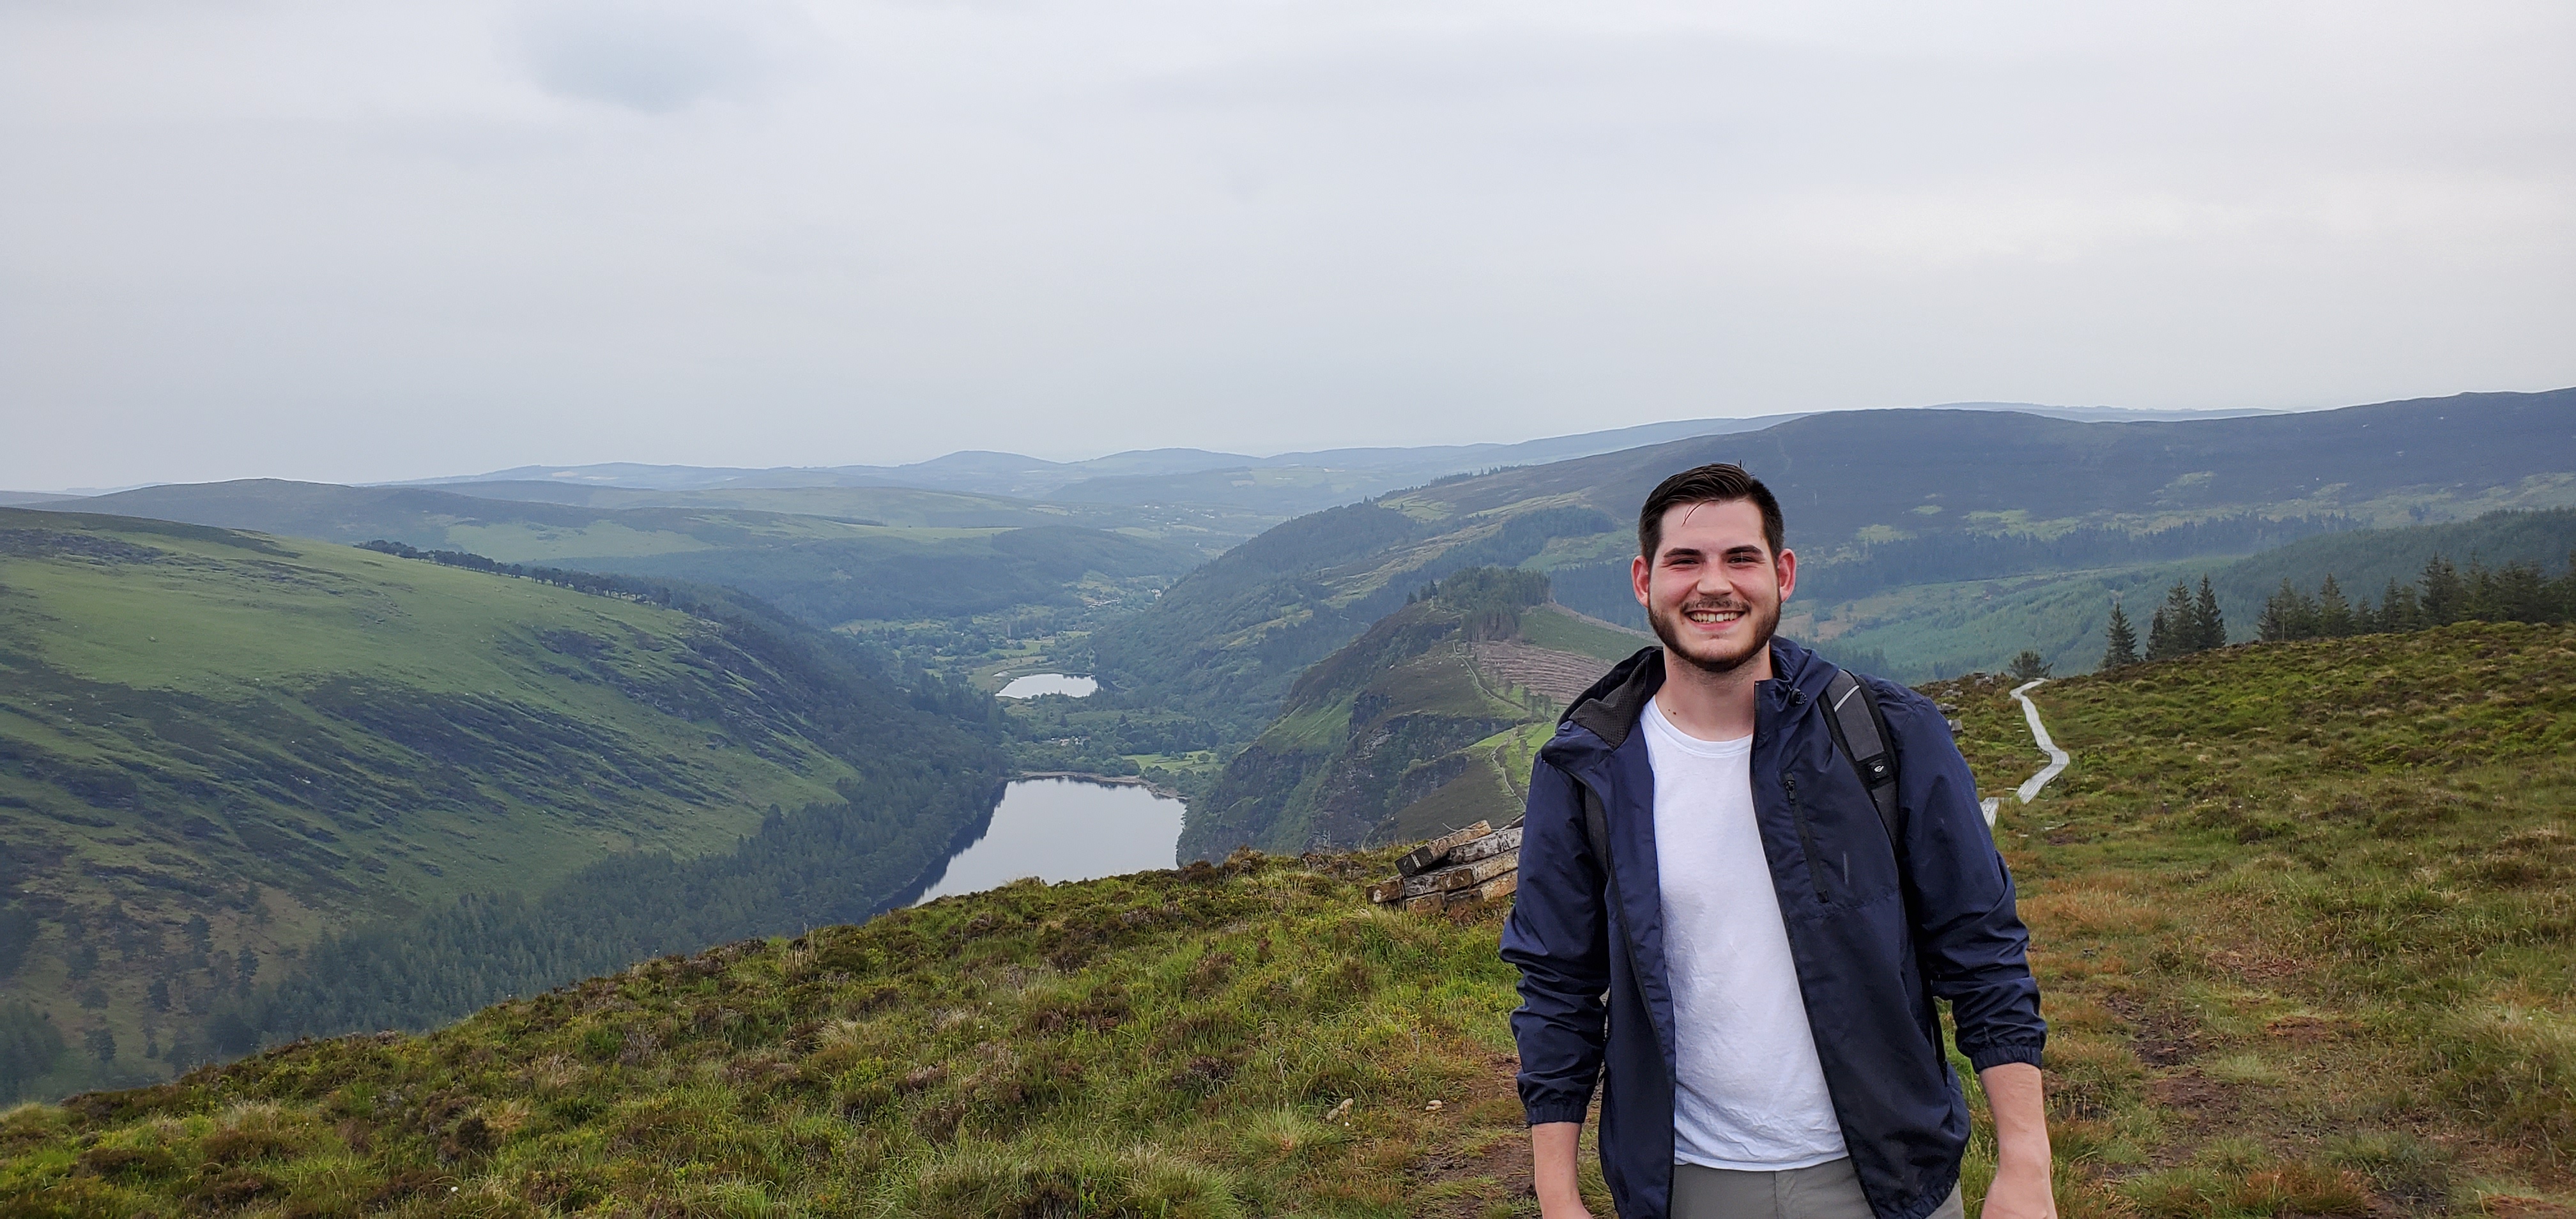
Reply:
x=1745 y=878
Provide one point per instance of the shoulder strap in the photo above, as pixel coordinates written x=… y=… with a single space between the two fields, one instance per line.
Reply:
x=1851 y=708
x=1860 y=731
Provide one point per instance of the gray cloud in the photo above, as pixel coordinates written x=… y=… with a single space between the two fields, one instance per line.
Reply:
x=655 y=56
x=347 y=241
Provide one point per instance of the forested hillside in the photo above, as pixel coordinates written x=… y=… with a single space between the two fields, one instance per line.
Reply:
x=219 y=751
x=1424 y=724
x=2365 y=564
x=2300 y=913
x=1967 y=625
x=1915 y=528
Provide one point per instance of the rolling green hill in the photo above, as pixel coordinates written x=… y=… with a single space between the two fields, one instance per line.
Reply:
x=1938 y=507
x=1424 y=724
x=1208 y=529
x=2300 y=913
x=828 y=570
x=218 y=748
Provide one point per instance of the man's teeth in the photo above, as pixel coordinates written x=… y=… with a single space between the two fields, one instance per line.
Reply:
x=1713 y=615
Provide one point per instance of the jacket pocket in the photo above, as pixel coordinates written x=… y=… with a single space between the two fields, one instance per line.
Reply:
x=1807 y=840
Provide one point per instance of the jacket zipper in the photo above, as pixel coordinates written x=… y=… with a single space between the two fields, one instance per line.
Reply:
x=1807 y=840
x=1627 y=940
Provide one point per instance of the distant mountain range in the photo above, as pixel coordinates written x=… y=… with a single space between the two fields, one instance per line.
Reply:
x=1271 y=488
x=1285 y=482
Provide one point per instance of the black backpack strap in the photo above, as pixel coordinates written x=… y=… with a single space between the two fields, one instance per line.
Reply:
x=1851 y=708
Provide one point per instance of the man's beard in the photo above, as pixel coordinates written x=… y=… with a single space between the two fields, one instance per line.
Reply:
x=1667 y=628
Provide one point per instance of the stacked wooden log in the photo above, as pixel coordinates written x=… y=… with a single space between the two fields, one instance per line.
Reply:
x=1475 y=864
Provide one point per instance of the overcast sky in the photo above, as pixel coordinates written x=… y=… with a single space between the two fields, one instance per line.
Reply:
x=365 y=240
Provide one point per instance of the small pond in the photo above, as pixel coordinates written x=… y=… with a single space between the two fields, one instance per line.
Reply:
x=1036 y=684
x=1066 y=829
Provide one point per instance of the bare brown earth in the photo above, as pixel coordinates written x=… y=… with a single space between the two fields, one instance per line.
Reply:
x=1561 y=676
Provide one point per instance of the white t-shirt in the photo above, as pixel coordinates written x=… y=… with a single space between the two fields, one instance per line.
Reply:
x=1752 y=1094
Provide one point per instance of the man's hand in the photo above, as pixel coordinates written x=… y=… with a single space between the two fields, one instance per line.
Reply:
x=2021 y=1189
x=1552 y=1146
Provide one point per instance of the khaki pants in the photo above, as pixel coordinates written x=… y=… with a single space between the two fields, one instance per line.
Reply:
x=1830 y=1190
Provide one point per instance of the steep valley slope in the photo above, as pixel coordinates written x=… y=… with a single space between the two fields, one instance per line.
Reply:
x=219 y=751
x=2301 y=914
x=1424 y=724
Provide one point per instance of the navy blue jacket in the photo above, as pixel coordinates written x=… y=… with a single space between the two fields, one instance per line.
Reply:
x=1874 y=943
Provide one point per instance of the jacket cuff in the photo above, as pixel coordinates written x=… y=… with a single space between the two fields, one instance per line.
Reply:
x=1556 y=1111
x=1997 y=1055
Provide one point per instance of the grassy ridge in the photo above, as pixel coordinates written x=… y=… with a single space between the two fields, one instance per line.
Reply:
x=219 y=746
x=1409 y=731
x=826 y=569
x=2300 y=914
x=1166 y=1044
x=2303 y=916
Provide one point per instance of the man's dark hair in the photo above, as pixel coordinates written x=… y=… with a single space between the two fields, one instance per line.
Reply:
x=1721 y=483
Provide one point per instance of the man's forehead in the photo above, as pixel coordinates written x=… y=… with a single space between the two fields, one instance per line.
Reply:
x=1714 y=525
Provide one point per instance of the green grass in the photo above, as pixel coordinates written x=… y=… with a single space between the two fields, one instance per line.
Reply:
x=1554 y=627
x=2300 y=913
x=1176 y=1043
x=2303 y=916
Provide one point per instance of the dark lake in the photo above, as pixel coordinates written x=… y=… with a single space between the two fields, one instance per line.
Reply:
x=1066 y=829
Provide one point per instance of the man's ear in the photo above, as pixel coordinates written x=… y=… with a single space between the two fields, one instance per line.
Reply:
x=1787 y=568
x=1637 y=572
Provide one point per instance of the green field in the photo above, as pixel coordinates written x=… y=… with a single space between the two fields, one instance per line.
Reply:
x=941 y=557
x=2300 y=914
x=1208 y=527
x=215 y=747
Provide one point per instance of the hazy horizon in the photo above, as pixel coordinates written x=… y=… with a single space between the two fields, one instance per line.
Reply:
x=458 y=475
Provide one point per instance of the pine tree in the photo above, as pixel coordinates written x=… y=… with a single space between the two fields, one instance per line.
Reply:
x=2119 y=640
x=2170 y=632
x=2209 y=629
x=2444 y=595
x=2273 y=625
x=2515 y=592
x=2397 y=608
x=2029 y=666
x=2334 y=614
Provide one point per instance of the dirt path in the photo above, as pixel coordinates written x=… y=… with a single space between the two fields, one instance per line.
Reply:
x=2057 y=758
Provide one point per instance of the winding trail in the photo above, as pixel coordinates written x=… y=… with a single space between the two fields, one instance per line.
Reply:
x=2057 y=758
